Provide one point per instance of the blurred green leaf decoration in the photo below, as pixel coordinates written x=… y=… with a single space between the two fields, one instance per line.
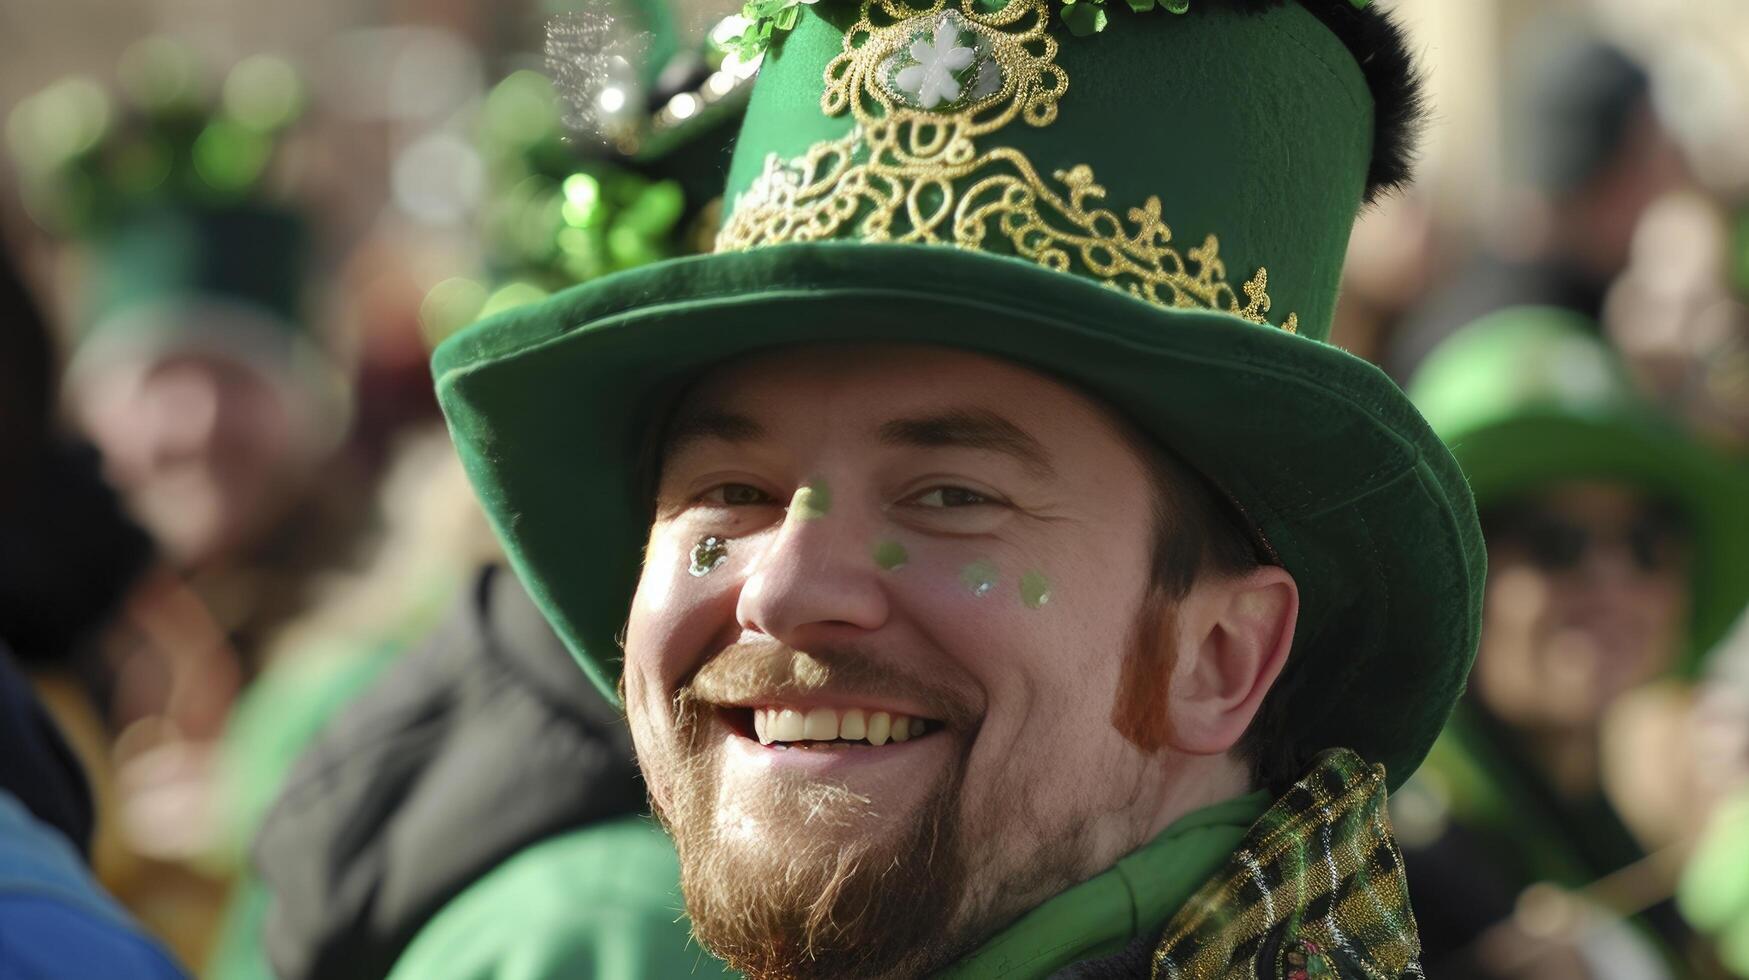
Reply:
x=171 y=134
x=552 y=219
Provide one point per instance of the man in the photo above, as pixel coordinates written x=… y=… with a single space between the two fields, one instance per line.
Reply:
x=1614 y=554
x=198 y=378
x=999 y=603
x=199 y=370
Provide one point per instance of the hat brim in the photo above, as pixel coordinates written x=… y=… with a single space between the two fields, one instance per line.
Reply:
x=551 y=406
x=1534 y=450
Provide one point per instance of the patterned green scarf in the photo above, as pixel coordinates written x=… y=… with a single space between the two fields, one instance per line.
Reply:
x=1316 y=889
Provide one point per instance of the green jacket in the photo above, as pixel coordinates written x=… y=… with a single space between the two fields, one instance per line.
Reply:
x=601 y=902
x=1308 y=887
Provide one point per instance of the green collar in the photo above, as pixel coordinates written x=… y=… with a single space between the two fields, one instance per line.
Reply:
x=1134 y=897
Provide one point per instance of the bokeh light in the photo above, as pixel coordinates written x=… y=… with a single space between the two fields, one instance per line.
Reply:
x=450 y=305
x=229 y=156
x=263 y=93
x=58 y=123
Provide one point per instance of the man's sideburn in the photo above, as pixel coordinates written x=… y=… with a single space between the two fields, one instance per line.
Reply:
x=1139 y=709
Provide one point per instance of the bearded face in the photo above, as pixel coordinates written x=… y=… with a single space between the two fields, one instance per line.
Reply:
x=788 y=868
x=873 y=661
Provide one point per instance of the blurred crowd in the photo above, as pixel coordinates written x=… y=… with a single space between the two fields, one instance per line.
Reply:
x=261 y=662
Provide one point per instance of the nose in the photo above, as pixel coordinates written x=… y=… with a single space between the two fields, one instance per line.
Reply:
x=1611 y=565
x=815 y=582
x=187 y=413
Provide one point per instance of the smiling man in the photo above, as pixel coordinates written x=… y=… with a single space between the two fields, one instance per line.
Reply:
x=886 y=677
x=995 y=589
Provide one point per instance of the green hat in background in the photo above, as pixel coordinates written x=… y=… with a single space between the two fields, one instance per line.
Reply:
x=1101 y=208
x=248 y=255
x=170 y=134
x=1531 y=397
x=221 y=281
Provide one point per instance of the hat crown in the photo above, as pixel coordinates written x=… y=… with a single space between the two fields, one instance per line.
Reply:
x=1211 y=161
x=246 y=254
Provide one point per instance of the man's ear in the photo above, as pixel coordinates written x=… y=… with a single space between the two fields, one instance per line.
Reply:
x=1237 y=631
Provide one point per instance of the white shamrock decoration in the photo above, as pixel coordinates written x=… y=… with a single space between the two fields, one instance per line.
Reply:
x=931 y=80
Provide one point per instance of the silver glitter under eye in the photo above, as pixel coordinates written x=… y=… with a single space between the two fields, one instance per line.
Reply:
x=708 y=554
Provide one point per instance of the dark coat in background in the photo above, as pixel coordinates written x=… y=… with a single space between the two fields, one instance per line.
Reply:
x=480 y=743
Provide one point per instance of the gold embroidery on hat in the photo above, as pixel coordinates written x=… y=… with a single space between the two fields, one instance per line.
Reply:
x=908 y=174
x=889 y=195
x=1012 y=68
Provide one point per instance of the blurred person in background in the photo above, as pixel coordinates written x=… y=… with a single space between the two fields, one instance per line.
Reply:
x=478 y=811
x=1587 y=154
x=1681 y=316
x=199 y=368
x=55 y=919
x=198 y=378
x=201 y=373
x=1614 y=548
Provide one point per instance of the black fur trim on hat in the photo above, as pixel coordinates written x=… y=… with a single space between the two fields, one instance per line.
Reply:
x=1381 y=48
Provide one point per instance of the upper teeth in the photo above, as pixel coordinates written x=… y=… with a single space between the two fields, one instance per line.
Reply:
x=826 y=724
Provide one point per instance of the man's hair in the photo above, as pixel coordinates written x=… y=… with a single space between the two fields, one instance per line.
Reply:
x=1199 y=532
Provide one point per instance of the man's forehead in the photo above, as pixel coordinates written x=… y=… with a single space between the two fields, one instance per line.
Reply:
x=1599 y=500
x=915 y=397
x=868 y=384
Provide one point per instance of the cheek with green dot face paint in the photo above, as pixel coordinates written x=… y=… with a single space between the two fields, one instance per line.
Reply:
x=1035 y=589
x=813 y=501
x=708 y=555
x=980 y=577
x=890 y=555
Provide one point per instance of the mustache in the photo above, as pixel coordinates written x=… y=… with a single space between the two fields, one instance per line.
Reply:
x=749 y=672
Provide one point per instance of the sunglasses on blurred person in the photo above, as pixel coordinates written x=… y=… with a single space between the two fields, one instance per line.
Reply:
x=1653 y=542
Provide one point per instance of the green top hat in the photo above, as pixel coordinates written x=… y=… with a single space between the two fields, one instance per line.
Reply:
x=965 y=173
x=177 y=136
x=1531 y=397
x=165 y=191
x=225 y=281
x=165 y=188
x=250 y=255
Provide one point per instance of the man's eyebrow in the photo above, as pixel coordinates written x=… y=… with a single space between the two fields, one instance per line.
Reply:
x=972 y=428
x=723 y=426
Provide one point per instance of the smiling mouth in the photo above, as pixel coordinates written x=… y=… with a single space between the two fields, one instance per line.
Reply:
x=819 y=728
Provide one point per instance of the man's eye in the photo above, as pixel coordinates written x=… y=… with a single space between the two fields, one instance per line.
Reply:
x=950 y=497
x=736 y=495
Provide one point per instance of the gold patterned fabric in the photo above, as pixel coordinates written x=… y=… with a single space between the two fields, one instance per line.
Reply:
x=1315 y=890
